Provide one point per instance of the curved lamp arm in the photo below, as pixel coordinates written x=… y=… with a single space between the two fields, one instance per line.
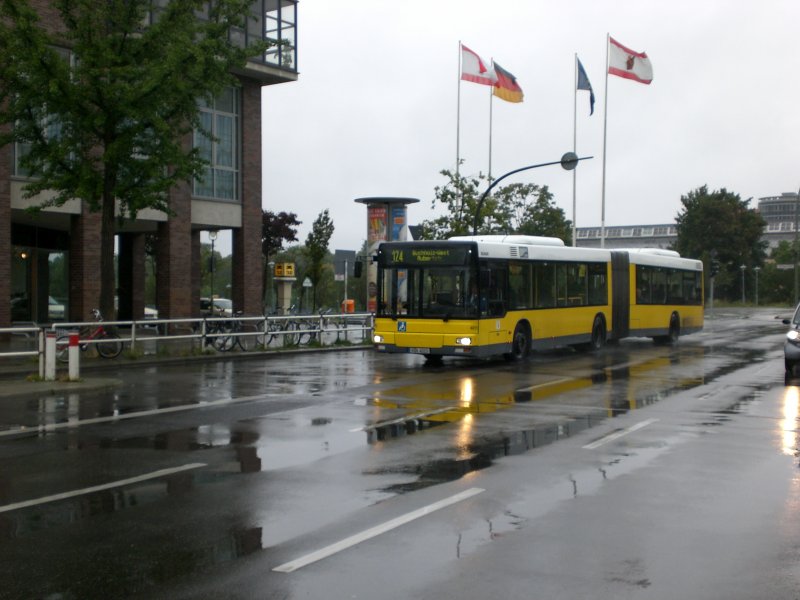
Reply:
x=569 y=161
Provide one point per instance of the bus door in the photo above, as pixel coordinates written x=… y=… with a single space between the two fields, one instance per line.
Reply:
x=620 y=294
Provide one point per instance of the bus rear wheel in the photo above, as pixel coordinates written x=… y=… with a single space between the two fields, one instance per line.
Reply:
x=598 y=335
x=520 y=343
x=673 y=333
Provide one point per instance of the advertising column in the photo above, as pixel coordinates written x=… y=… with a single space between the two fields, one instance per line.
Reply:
x=386 y=221
x=376 y=233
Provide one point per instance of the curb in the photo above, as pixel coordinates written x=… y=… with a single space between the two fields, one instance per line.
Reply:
x=18 y=389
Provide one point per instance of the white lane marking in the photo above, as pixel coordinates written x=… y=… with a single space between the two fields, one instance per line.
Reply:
x=613 y=436
x=374 y=531
x=100 y=488
x=548 y=384
x=131 y=415
x=403 y=419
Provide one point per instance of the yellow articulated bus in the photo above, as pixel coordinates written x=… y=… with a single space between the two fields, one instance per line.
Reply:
x=480 y=296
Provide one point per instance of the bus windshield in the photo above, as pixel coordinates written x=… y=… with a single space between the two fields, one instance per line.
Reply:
x=449 y=292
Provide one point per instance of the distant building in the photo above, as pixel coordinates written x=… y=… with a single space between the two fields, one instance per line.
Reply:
x=629 y=236
x=781 y=214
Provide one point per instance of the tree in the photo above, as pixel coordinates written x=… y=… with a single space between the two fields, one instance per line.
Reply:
x=719 y=224
x=275 y=230
x=317 y=249
x=108 y=122
x=507 y=210
x=542 y=217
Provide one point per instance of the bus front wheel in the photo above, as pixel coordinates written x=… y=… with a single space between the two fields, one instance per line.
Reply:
x=520 y=343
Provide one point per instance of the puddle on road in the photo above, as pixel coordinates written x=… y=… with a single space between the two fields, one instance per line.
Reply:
x=629 y=386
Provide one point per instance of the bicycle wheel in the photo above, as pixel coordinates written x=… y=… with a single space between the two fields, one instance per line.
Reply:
x=248 y=338
x=223 y=343
x=306 y=333
x=291 y=337
x=62 y=348
x=109 y=349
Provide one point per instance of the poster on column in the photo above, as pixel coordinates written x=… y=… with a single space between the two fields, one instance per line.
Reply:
x=400 y=233
x=377 y=230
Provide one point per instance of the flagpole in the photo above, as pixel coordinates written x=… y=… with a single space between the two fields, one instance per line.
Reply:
x=458 y=113
x=458 y=128
x=491 y=96
x=574 y=144
x=605 y=127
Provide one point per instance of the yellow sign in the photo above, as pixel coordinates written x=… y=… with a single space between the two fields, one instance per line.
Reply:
x=284 y=270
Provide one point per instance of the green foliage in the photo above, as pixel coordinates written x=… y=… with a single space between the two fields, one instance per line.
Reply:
x=222 y=276
x=516 y=208
x=317 y=250
x=276 y=229
x=719 y=224
x=109 y=123
x=776 y=285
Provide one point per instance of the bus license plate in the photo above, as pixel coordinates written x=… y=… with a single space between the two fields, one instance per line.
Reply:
x=419 y=350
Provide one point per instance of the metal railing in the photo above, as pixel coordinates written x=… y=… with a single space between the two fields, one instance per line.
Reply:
x=265 y=330
x=265 y=333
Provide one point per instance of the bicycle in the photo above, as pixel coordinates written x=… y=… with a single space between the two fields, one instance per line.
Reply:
x=281 y=329
x=313 y=331
x=107 y=342
x=239 y=334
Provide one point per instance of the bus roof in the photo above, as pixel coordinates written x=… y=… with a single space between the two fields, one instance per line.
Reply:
x=529 y=240
x=516 y=247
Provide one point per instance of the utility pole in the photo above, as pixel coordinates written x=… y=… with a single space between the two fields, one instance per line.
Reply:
x=794 y=247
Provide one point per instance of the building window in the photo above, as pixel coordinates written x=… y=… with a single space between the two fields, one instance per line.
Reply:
x=280 y=19
x=218 y=143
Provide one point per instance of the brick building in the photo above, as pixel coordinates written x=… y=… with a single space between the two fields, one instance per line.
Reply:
x=59 y=248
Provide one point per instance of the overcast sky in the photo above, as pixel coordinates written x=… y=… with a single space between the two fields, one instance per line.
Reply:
x=374 y=110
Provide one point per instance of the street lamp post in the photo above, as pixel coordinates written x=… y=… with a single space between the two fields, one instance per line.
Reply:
x=756 y=269
x=212 y=235
x=743 y=267
x=568 y=162
x=271 y=266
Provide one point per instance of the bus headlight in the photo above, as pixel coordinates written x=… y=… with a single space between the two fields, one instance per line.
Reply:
x=794 y=336
x=464 y=341
x=378 y=339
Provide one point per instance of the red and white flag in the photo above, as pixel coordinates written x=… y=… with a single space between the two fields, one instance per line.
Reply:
x=475 y=69
x=628 y=63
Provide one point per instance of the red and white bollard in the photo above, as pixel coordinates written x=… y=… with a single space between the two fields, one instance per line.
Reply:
x=74 y=357
x=50 y=356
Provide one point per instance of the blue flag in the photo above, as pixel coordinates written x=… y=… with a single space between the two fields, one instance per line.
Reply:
x=583 y=84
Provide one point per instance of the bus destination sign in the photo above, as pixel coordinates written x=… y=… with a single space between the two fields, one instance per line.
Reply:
x=425 y=255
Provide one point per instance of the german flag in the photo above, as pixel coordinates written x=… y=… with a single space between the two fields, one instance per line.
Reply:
x=506 y=87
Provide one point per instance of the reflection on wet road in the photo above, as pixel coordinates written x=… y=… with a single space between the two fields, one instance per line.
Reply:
x=290 y=445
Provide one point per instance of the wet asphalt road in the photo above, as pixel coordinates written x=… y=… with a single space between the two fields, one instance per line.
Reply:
x=642 y=471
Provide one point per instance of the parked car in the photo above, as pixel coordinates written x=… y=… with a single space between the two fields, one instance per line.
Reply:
x=222 y=307
x=21 y=309
x=55 y=310
x=791 y=348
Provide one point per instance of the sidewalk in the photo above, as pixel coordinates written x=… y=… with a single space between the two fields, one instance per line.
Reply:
x=17 y=375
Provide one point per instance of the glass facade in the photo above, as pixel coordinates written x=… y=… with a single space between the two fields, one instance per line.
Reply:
x=218 y=141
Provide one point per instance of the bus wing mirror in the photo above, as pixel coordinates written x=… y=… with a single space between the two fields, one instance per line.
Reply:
x=357 y=269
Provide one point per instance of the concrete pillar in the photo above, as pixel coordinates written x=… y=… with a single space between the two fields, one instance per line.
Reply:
x=84 y=265
x=248 y=272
